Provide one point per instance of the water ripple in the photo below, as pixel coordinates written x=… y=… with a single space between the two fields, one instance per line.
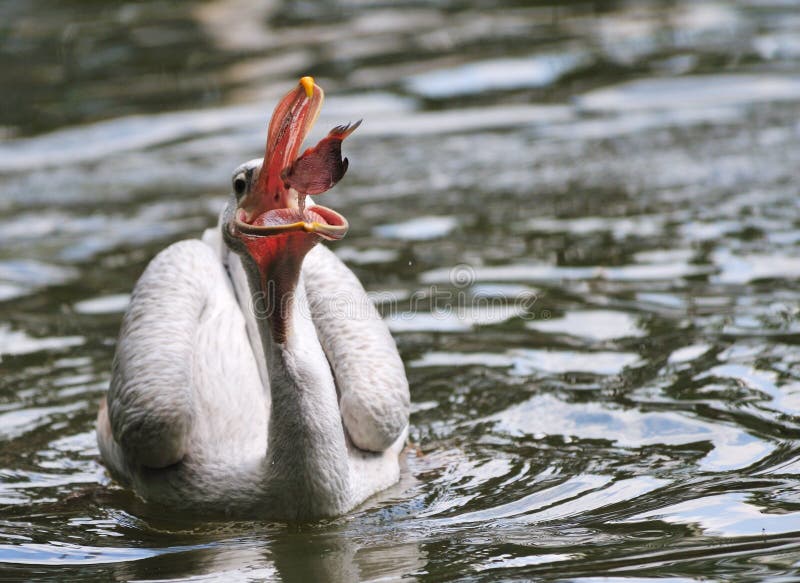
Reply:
x=603 y=193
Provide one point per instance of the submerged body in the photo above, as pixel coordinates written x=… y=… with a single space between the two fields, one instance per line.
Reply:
x=222 y=402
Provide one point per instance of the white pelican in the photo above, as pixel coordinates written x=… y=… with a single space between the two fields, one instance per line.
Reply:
x=252 y=373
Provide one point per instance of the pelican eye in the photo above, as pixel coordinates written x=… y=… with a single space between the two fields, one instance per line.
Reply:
x=239 y=184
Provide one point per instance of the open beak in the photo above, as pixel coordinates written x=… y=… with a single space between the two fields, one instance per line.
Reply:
x=277 y=202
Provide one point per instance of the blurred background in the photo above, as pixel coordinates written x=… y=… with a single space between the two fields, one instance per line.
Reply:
x=608 y=188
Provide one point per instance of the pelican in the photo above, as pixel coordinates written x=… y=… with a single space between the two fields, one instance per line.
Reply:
x=252 y=375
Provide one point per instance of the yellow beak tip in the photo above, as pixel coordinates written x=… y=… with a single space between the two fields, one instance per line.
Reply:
x=308 y=85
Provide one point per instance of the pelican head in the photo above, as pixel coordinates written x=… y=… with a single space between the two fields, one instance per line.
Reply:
x=270 y=194
x=268 y=222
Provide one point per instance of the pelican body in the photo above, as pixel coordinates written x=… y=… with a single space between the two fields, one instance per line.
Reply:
x=252 y=375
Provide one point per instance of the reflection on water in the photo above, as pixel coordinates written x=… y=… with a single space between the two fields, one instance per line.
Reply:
x=580 y=221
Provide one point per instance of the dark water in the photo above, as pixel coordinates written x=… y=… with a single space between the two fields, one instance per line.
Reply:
x=582 y=222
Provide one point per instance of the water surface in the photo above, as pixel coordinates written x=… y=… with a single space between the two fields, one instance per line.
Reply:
x=580 y=221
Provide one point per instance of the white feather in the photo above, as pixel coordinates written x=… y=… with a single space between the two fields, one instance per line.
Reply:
x=189 y=414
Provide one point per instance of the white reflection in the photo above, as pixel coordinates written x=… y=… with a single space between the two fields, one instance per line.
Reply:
x=418 y=229
x=542 y=272
x=784 y=45
x=497 y=74
x=457 y=319
x=528 y=362
x=111 y=304
x=366 y=256
x=510 y=561
x=467 y=120
x=737 y=269
x=609 y=494
x=35 y=273
x=18 y=342
x=633 y=580
x=548 y=415
x=620 y=227
x=688 y=353
x=760 y=380
x=726 y=515
x=692 y=91
x=549 y=497
x=16 y=423
x=9 y=291
x=592 y=324
x=593 y=128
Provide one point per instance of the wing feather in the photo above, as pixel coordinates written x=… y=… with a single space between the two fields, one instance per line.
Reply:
x=374 y=396
x=151 y=408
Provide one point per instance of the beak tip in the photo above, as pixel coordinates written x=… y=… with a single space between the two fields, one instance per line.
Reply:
x=308 y=84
